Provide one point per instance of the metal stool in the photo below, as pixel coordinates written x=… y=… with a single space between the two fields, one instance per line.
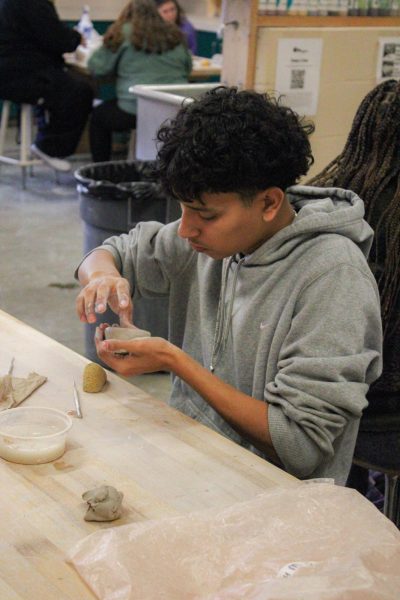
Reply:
x=26 y=122
x=378 y=449
x=132 y=145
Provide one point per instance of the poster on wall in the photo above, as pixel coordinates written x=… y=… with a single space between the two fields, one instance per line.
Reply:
x=388 y=65
x=298 y=70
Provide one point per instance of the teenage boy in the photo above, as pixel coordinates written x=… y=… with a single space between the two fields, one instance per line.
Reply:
x=275 y=329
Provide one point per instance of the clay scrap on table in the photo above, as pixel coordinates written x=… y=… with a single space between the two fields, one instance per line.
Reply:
x=13 y=390
x=104 y=503
x=94 y=378
x=124 y=333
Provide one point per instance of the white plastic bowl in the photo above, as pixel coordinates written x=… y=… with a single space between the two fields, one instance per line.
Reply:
x=33 y=435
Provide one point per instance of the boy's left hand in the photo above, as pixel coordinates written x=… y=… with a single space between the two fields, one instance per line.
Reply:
x=146 y=355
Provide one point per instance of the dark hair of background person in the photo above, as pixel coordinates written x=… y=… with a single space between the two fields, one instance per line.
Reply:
x=369 y=165
x=180 y=12
x=232 y=141
x=149 y=32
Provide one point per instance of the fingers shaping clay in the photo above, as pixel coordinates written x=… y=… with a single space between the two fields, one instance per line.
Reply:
x=94 y=378
x=104 y=503
x=124 y=333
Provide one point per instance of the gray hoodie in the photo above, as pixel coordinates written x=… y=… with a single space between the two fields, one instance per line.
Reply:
x=296 y=323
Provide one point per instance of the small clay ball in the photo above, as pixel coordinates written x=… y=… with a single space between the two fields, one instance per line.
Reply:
x=104 y=503
x=94 y=378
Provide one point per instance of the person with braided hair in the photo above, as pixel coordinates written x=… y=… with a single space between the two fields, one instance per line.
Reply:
x=369 y=165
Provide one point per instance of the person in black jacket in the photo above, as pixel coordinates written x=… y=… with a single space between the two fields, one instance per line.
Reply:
x=32 y=70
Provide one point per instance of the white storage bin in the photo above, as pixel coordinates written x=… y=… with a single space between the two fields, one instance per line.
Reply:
x=155 y=104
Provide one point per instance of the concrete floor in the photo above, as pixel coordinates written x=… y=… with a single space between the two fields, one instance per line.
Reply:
x=41 y=241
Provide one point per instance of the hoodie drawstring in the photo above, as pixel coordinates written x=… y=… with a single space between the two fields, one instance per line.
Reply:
x=224 y=316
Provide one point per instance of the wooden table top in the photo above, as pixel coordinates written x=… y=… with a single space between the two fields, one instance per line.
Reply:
x=203 y=68
x=164 y=462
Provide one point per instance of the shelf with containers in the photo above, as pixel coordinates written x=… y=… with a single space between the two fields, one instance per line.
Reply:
x=258 y=20
x=348 y=63
x=290 y=20
x=354 y=8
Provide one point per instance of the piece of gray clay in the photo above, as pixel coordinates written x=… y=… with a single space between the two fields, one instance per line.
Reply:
x=124 y=333
x=104 y=503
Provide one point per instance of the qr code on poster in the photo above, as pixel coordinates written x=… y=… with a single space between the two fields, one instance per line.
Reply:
x=297 y=79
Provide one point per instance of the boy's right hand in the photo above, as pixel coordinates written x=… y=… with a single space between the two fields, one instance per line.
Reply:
x=103 y=290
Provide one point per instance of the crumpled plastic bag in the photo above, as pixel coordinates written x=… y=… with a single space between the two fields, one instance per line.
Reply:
x=308 y=542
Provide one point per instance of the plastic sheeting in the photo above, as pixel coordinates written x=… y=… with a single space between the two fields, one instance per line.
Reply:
x=310 y=542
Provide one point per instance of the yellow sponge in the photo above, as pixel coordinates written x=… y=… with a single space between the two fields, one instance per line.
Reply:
x=94 y=378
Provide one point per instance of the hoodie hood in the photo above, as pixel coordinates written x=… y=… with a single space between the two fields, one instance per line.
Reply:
x=318 y=211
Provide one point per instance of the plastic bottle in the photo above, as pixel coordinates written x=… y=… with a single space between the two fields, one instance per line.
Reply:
x=333 y=8
x=262 y=7
x=298 y=7
x=312 y=8
x=85 y=25
x=267 y=7
x=281 y=7
x=363 y=7
x=323 y=8
x=343 y=8
x=354 y=8
x=373 y=8
x=394 y=8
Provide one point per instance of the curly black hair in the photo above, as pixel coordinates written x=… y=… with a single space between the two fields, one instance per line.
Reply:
x=232 y=141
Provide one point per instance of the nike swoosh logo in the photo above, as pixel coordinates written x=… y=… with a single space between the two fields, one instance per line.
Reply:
x=263 y=324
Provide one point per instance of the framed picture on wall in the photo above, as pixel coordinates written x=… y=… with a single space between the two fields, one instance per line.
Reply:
x=388 y=64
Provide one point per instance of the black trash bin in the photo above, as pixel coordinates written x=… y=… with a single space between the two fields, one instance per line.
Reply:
x=114 y=196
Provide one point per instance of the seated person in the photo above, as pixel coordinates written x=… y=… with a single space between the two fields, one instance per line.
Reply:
x=172 y=12
x=32 y=71
x=139 y=48
x=369 y=165
x=275 y=330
